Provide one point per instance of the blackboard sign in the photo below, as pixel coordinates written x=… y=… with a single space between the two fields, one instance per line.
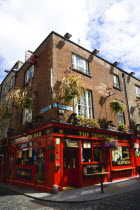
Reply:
x=91 y=169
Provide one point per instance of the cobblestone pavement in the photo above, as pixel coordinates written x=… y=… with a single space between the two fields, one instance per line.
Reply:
x=13 y=201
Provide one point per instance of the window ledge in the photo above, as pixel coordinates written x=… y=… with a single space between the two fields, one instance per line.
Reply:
x=117 y=88
x=88 y=75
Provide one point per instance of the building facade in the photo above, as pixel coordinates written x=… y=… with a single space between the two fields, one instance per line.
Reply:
x=55 y=149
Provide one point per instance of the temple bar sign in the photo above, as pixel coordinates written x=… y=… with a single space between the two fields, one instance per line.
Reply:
x=98 y=135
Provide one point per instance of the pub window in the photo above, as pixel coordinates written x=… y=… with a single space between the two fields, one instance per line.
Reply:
x=87 y=152
x=32 y=156
x=98 y=156
x=40 y=169
x=121 y=156
x=19 y=157
x=29 y=74
x=25 y=157
x=80 y=64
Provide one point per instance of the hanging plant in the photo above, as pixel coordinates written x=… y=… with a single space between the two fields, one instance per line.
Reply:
x=116 y=106
x=21 y=97
x=123 y=128
x=111 y=143
x=71 y=87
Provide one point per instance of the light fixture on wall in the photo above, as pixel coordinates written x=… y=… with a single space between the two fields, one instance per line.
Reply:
x=132 y=73
x=116 y=63
x=13 y=70
x=67 y=36
x=95 y=52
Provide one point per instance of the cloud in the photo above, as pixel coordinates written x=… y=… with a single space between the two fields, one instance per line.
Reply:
x=112 y=26
x=25 y=24
x=116 y=32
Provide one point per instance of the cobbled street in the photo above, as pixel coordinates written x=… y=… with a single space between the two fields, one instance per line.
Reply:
x=12 y=201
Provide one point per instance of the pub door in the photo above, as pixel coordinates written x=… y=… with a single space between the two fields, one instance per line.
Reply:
x=71 y=172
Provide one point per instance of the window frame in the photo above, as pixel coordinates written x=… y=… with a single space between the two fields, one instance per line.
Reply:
x=117 y=83
x=87 y=105
x=137 y=90
x=29 y=74
x=121 y=114
x=24 y=116
x=84 y=70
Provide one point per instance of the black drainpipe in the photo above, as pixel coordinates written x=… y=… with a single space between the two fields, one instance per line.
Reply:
x=126 y=97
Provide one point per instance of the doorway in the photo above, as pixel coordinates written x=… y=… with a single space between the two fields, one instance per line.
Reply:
x=70 y=165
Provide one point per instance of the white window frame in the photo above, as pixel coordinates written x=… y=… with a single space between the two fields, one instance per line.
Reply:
x=29 y=74
x=138 y=91
x=11 y=85
x=27 y=116
x=121 y=119
x=84 y=107
x=116 y=81
x=82 y=66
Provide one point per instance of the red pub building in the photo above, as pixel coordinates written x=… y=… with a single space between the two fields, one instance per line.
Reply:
x=56 y=152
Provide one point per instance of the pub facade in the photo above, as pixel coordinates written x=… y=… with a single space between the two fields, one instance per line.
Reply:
x=62 y=155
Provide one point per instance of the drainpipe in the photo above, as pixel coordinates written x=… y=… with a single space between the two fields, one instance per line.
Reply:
x=126 y=97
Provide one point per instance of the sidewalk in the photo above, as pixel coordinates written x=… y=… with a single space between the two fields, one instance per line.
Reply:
x=79 y=195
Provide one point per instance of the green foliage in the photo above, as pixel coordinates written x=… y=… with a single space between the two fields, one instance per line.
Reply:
x=22 y=98
x=88 y=122
x=123 y=128
x=71 y=87
x=111 y=143
x=116 y=106
x=5 y=112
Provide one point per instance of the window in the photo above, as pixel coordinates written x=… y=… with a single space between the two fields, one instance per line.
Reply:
x=87 y=152
x=116 y=81
x=29 y=74
x=98 y=152
x=121 y=118
x=84 y=106
x=80 y=64
x=121 y=156
x=11 y=83
x=27 y=115
x=138 y=91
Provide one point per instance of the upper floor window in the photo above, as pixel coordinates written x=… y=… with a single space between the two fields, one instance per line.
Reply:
x=84 y=105
x=29 y=74
x=27 y=116
x=138 y=91
x=11 y=85
x=80 y=64
x=116 y=81
x=121 y=119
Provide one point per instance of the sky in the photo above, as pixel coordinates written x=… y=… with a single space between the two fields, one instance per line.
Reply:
x=111 y=26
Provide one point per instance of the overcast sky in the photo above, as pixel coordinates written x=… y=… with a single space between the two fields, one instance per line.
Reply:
x=111 y=26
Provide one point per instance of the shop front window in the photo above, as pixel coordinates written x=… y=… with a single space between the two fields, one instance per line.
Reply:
x=98 y=153
x=67 y=159
x=87 y=152
x=121 y=156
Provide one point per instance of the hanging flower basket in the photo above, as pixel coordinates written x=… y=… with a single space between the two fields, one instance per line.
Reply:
x=71 y=87
x=116 y=106
x=111 y=143
x=123 y=128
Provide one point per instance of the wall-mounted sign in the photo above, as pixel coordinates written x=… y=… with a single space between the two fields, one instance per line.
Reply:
x=98 y=135
x=62 y=107
x=121 y=156
x=71 y=143
x=30 y=57
x=45 y=109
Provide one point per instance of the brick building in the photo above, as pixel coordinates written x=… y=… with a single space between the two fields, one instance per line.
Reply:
x=54 y=153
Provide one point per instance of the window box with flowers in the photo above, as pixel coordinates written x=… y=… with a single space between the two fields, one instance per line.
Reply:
x=123 y=128
x=87 y=122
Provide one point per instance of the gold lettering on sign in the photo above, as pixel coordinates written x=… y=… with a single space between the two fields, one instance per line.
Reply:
x=97 y=135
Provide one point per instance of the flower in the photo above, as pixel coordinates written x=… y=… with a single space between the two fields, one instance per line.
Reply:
x=111 y=143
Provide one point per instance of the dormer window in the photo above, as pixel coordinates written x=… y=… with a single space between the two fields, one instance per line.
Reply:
x=29 y=74
x=80 y=64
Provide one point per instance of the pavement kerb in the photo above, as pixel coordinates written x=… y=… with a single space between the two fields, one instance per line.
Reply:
x=97 y=197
